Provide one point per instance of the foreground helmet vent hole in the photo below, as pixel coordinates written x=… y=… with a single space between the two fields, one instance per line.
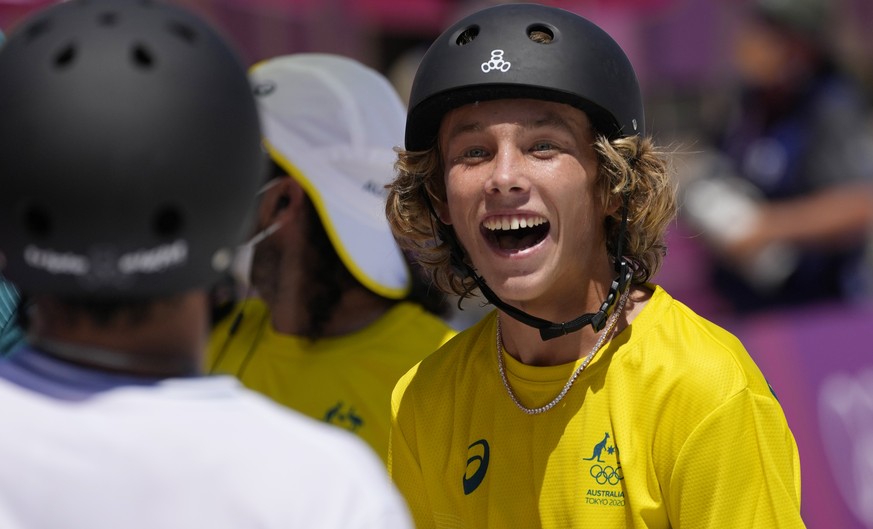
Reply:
x=540 y=34
x=184 y=32
x=37 y=222
x=107 y=19
x=167 y=222
x=66 y=56
x=467 y=36
x=37 y=29
x=142 y=57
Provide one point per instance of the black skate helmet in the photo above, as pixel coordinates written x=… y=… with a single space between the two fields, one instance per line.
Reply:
x=529 y=51
x=491 y=55
x=130 y=151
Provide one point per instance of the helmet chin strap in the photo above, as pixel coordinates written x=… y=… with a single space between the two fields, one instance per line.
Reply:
x=549 y=329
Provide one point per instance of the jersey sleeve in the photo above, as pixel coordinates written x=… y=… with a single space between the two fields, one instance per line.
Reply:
x=404 y=464
x=738 y=468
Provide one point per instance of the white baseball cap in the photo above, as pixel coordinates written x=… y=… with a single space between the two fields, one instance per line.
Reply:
x=333 y=124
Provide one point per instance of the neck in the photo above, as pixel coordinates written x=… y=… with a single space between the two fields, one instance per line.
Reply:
x=163 y=364
x=356 y=309
x=165 y=339
x=525 y=344
x=547 y=310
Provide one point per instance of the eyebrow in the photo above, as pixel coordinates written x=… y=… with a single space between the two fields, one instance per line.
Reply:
x=463 y=128
x=549 y=120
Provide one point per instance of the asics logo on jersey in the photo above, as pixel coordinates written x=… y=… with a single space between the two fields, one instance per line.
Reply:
x=496 y=62
x=478 y=463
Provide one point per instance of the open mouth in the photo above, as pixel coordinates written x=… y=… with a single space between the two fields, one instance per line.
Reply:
x=516 y=232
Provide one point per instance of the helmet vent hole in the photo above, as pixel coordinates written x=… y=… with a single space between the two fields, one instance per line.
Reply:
x=37 y=222
x=107 y=19
x=184 y=32
x=541 y=34
x=167 y=222
x=467 y=36
x=37 y=29
x=142 y=57
x=66 y=56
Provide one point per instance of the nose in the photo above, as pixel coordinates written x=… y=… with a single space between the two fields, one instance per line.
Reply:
x=508 y=174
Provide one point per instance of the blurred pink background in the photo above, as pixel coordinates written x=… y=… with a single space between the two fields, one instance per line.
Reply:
x=818 y=359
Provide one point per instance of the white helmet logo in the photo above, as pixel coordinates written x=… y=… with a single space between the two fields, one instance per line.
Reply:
x=496 y=62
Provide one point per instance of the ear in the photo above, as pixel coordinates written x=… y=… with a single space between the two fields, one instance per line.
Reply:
x=278 y=202
x=613 y=204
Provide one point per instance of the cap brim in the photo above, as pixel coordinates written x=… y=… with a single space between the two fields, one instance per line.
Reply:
x=354 y=221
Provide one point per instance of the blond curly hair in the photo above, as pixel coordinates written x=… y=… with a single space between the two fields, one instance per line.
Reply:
x=630 y=165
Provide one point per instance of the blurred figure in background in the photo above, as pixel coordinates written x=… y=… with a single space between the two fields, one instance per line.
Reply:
x=129 y=178
x=338 y=316
x=785 y=196
x=11 y=335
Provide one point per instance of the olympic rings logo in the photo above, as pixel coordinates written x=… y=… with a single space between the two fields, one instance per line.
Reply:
x=607 y=474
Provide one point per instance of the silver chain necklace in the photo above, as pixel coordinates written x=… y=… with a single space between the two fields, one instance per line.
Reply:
x=607 y=331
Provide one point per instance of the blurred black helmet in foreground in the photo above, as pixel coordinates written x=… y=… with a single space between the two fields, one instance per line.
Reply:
x=130 y=151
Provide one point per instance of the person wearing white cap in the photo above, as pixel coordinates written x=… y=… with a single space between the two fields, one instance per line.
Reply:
x=335 y=320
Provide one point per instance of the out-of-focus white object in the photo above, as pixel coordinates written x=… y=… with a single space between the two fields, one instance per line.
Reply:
x=726 y=208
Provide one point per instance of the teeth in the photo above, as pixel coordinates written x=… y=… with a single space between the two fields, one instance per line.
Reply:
x=513 y=222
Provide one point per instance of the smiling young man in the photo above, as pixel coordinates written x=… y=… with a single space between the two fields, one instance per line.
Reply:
x=589 y=397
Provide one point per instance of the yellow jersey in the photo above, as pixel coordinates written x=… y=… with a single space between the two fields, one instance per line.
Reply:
x=346 y=380
x=671 y=425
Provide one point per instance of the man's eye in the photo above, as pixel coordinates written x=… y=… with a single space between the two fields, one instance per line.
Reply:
x=475 y=152
x=542 y=146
